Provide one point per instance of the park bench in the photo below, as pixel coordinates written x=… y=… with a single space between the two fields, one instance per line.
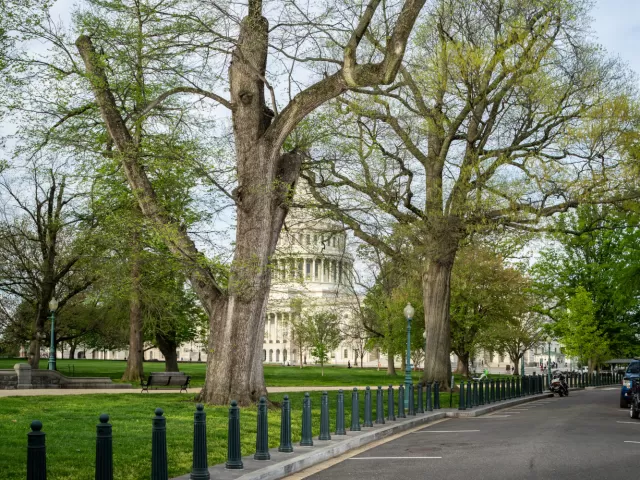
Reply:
x=166 y=380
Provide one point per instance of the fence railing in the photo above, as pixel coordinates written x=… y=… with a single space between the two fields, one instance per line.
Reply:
x=422 y=399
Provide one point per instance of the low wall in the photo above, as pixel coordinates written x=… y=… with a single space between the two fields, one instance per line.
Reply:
x=24 y=377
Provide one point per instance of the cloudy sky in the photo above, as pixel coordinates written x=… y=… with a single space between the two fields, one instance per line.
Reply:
x=617 y=25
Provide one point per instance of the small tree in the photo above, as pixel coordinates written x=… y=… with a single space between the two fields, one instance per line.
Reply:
x=518 y=335
x=579 y=332
x=323 y=334
x=357 y=336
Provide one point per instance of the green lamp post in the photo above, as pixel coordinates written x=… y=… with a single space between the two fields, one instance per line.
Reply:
x=53 y=306
x=549 y=361
x=408 y=314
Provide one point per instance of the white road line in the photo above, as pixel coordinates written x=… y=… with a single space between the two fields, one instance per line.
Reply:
x=445 y=431
x=488 y=416
x=388 y=458
x=629 y=441
x=634 y=423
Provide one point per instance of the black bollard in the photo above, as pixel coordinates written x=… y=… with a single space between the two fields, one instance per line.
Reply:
x=159 y=467
x=518 y=393
x=401 y=402
x=436 y=395
x=340 y=428
x=429 y=404
x=487 y=391
x=285 y=427
x=234 y=457
x=324 y=417
x=262 y=432
x=469 y=395
x=306 y=440
x=462 y=404
x=475 y=401
x=493 y=391
x=410 y=401
x=503 y=390
x=420 y=399
x=199 y=465
x=36 y=452
x=513 y=387
x=391 y=411
x=508 y=389
x=355 y=411
x=368 y=422
x=104 y=449
x=480 y=393
x=379 y=406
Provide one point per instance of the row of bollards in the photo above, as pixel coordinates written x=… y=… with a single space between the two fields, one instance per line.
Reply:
x=480 y=392
x=473 y=394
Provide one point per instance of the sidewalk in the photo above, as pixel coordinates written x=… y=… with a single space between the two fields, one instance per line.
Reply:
x=136 y=390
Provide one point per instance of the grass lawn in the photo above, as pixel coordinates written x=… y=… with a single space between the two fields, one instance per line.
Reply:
x=69 y=422
x=275 y=375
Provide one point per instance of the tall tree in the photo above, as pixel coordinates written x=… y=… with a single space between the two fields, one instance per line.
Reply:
x=503 y=113
x=44 y=233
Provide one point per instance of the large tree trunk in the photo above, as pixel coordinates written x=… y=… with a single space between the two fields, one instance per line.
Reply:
x=516 y=364
x=134 y=371
x=38 y=335
x=391 y=364
x=436 y=287
x=72 y=351
x=168 y=346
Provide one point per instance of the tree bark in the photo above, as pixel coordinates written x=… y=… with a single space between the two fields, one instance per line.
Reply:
x=168 y=346
x=391 y=365
x=463 y=364
x=134 y=371
x=436 y=286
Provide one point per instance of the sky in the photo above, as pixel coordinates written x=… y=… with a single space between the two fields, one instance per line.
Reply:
x=617 y=25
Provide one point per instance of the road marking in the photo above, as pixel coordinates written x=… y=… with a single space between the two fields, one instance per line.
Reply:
x=634 y=423
x=445 y=431
x=487 y=416
x=345 y=456
x=386 y=458
x=629 y=441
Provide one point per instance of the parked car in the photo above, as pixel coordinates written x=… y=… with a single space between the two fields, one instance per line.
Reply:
x=634 y=411
x=633 y=372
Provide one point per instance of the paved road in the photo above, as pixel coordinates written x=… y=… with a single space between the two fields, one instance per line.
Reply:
x=584 y=436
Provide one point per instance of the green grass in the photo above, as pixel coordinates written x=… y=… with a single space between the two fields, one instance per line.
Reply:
x=69 y=422
x=275 y=375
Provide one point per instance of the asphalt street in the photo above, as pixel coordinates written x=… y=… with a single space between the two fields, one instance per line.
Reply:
x=584 y=436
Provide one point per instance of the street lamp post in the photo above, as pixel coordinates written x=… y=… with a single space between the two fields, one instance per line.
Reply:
x=408 y=314
x=549 y=362
x=53 y=306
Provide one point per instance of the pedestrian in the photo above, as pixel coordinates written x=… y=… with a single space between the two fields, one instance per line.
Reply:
x=348 y=363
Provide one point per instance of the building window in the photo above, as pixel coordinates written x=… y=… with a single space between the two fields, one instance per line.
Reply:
x=284 y=355
x=278 y=355
x=345 y=354
x=308 y=239
x=264 y=355
x=308 y=268
x=315 y=239
x=334 y=241
x=270 y=355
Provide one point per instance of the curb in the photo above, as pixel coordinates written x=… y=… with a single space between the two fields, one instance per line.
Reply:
x=284 y=464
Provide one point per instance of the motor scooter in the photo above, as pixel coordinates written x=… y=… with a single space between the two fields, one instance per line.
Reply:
x=559 y=385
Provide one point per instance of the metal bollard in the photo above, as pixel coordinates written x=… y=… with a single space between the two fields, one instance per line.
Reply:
x=234 y=457
x=306 y=440
x=324 y=417
x=480 y=393
x=104 y=449
x=475 y=401
x=436 y=395
x=429 y=404
x=355 y=411
x=391 y=411
x=509 y=383
x=503 y=389
x=36 y=452
x=379 y=406
x=285 y=427
x=340 y=428
x=493 y=391
x=420 y=399
x=410 y=401
x=199 y=465
x=518 y=392
x=462 y=404
x=368 y=414
x=469 y=395
x=401 y=402
x=159 y=467
x=262 y=432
